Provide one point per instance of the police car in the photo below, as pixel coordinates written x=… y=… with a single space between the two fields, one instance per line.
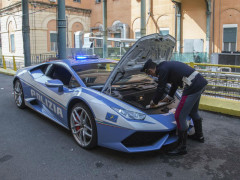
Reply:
x=103 y=102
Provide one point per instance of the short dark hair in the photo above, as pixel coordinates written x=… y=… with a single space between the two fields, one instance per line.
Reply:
x=148 y=65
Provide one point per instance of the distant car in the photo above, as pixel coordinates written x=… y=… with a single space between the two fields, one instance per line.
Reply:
x=103 y=102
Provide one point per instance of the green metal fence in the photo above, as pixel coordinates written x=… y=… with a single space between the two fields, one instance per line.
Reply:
x=191 y=57
x=222 y=81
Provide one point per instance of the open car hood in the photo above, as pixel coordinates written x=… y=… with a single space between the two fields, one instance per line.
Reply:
x=155 y=46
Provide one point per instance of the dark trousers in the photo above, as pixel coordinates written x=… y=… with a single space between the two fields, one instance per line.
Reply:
x=188 y=106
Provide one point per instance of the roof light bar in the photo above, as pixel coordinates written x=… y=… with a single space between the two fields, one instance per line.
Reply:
x=80 y=57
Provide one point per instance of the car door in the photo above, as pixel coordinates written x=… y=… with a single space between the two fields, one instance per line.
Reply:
x=54 y=102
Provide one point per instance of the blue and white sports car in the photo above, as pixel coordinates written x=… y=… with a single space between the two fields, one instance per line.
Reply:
x=103 y=102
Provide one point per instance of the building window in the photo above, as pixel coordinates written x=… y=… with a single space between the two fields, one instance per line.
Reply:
x=229 y=37
x=98 y=1
x=99 y=42
x=164 y=31
x=77 y=1
x=53 y=40
x=117 y=35
x=78 y=39
x=137 y=34
x=12 y=43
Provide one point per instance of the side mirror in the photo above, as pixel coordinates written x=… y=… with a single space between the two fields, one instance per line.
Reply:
x=55 y=83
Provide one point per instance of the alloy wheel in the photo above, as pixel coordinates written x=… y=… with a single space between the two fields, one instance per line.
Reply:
x=81 y=126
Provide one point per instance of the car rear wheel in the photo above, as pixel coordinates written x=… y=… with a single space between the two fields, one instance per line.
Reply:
x=83 y=126
x=18 y=95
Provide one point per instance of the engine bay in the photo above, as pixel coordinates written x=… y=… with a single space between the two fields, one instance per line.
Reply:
x=138 y=90
x=140 y=95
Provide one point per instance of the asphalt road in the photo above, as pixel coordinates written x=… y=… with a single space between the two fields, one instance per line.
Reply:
x=32 y=147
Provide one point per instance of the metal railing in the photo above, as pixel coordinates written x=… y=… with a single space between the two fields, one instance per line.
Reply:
x=40 y=58
x=17 y=62
x=223 y=80
x=12 y=62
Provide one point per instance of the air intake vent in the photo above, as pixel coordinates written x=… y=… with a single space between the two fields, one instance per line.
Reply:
x=139 y=139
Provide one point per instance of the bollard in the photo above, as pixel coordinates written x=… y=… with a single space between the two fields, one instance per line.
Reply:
x=14 y=64
x=192 y=64
x=108 y=67
x=4 y=63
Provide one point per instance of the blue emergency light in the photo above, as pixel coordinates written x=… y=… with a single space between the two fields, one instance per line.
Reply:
x=84 y=57
x=80 y=57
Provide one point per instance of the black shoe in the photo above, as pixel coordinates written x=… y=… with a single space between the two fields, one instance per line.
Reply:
x=198 y=135
x=181 y=149
x=178 y=151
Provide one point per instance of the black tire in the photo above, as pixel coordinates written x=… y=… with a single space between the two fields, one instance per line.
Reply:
x=18 y=94
x=84 y=130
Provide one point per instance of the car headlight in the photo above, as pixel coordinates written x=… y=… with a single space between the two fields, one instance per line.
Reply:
x=130 y=114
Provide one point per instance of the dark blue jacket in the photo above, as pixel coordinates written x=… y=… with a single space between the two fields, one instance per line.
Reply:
x=173 y=72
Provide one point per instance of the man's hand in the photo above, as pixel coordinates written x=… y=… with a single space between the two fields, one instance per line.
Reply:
x=152 y=105
x=167 y=99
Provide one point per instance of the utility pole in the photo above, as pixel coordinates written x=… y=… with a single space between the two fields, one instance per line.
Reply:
x=61 y=22
x=105 y=50
x=208 y=2
x=25 y=33
x=143 y=18
x=178 y=14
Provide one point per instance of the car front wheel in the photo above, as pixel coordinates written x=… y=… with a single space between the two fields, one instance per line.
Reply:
x=83 y=126
x=18 y=94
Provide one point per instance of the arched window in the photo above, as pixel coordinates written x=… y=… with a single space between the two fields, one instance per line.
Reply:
x=136 y=28
x=77 y=35
x=78 y=39
x=97 y=31
x=137 y=34
x=116 y=31
x=52 y=36
x=11 y=37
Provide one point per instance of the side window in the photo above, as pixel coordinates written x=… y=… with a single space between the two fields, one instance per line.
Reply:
x=73 y=83
x=44 y=68
x=61 y=73
x=40 y=69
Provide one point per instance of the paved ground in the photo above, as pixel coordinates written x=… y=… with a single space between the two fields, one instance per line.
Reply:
x=9 y=72
x=33 y=147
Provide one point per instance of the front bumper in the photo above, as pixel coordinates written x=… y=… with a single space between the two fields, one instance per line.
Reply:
x=131 y=141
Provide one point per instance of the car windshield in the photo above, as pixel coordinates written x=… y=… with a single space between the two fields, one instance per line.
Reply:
x=94 y=74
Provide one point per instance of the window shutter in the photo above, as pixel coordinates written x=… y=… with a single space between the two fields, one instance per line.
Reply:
x=12 y=43
x=53 y=37
x=229 y=35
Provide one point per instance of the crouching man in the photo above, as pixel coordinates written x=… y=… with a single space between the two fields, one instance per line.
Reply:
x=179 y=75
